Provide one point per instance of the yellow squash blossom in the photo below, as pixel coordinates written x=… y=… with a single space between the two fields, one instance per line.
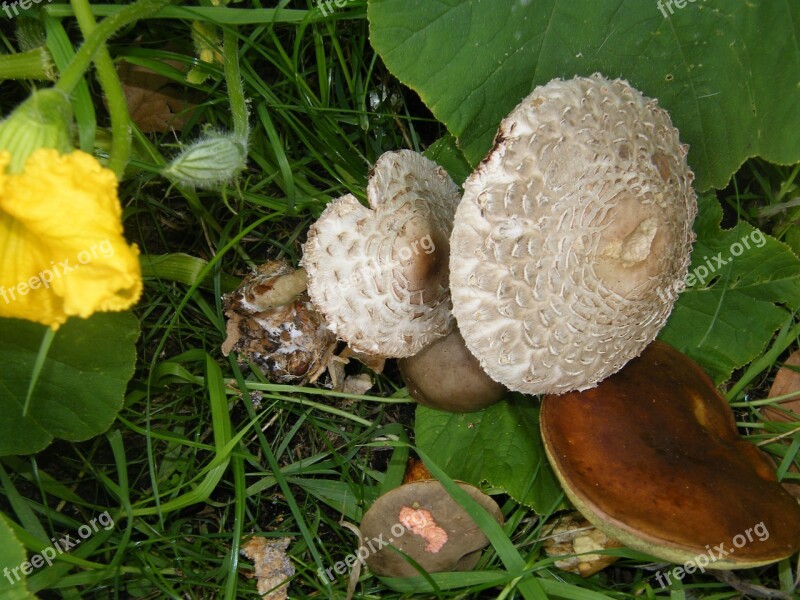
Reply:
x=62 y=252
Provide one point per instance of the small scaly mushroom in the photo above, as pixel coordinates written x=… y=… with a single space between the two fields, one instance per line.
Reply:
x=379 y=274
x=652 y=458
x=421 y=520
x=568 y=234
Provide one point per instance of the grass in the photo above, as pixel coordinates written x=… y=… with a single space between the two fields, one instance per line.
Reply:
x=205 y=453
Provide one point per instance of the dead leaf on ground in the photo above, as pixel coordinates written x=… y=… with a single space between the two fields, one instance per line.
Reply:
x=357 y=384
x=155 y=102
x=272 y=567
x=787 y=381
x=371 y=361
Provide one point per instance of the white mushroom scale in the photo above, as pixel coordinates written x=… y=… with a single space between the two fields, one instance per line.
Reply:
x=567 y=231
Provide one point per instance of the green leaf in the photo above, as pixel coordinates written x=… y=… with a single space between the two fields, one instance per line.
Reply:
x=446 y=581
x=81 y=385
x=12 y=556
x=731 y=95
x=743 y=285
x=445 y=152
x=499 y=444
x=186 y=269
x=339 y=495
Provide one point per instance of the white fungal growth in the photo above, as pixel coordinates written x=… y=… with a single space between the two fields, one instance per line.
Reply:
x=420 y=522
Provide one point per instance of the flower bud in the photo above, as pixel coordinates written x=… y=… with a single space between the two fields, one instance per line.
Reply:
x=41 y=121
x=209 y=162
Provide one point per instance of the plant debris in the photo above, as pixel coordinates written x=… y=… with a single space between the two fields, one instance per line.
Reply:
x=272 y=324
x=272 y=567
x=574 y=535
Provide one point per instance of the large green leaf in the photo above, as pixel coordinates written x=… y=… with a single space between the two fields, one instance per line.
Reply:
x=725 y=69
x=12 y=561
x=81 y=385
x=744 y=286
x=499 y=444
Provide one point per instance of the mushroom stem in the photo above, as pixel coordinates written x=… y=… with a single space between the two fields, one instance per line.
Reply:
x=281 y=290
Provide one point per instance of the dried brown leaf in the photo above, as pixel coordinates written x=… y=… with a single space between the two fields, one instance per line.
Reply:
x=156 y=104
x=787 y=381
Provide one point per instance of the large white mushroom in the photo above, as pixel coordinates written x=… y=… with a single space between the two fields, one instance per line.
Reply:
x=379 y=274
x=568 y=230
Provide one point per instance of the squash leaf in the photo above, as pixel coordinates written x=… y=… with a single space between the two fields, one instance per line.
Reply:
x=500 y=445
x=81 y=385
x=742 y=286
x=12 y=558
x=731 y=94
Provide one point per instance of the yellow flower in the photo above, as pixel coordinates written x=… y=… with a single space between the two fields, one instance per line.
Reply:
x=62 y=252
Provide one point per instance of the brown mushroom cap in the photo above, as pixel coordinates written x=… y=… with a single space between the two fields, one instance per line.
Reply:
x=652 y=457
x=572 y=235
x=464 y=542
x=379 y=274
x=444 y=375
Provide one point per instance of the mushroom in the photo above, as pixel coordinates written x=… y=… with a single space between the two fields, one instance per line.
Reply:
x=379 y=274
x=272 y=323
x=575 y=543
x=446 y=376
x=571 y=235
x=652 y=458
x=421 y=520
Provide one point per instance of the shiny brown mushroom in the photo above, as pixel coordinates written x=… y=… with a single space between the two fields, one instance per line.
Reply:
x=652 y=457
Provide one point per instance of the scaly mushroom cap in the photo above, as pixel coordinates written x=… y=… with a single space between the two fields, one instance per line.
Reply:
x=423 y=521
x=653 y=459
x=379 y=274
x=570 y=236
